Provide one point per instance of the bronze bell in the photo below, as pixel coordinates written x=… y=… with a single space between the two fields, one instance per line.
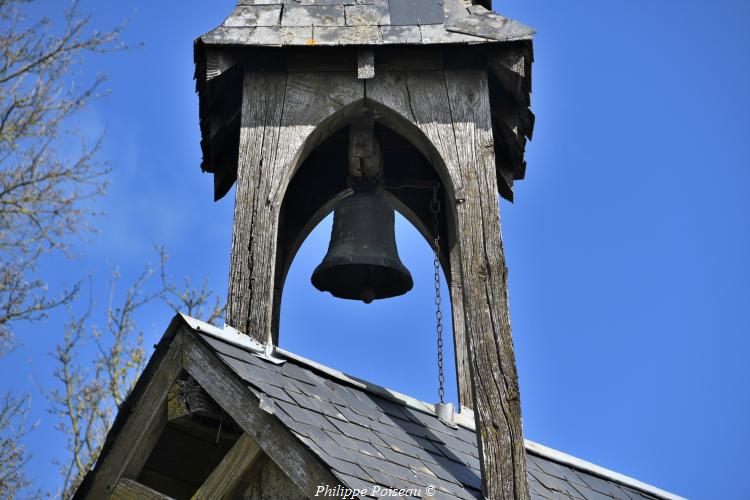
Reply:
x=362 y=262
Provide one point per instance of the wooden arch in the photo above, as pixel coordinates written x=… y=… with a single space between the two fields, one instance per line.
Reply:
x=444 y=113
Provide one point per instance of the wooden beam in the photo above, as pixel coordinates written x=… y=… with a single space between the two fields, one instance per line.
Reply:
x=497 y=405
x=231 y=393
x=128 y=489
x=230 y=470
x=463 y=380
x=141 y=430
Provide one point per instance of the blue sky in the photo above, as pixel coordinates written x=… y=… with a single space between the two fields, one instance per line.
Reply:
x=627 y=245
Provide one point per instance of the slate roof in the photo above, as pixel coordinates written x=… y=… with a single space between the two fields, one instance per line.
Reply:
x=370 y=436
x=363 y=22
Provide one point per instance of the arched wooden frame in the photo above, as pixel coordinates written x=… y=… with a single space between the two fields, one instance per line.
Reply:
x=320 y=182
x=446 y=115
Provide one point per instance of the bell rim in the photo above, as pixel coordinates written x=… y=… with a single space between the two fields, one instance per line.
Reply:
x=404 y=285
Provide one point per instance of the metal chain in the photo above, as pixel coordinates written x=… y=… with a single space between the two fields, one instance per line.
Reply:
x=435 y=209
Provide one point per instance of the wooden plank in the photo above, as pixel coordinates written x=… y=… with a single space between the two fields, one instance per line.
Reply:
x=230 y=470
x=128 y=489
x=141 y=430
x=262 y=104
x=150 y=438
x=488 y=332
x=463 y=378
x=223 y=385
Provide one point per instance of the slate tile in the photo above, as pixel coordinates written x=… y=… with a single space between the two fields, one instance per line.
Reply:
x=356 y=483
x=556 y=484
x=255 y=15
x=466 y=436
x=347 y=35
x=319 y=390
x=550 y=467
x=401 y=34
x=313 y=432
x=430 y=446
x=538 y=490
x=411 y=450
x=598 y=484
x=456 y=472
x=313 y=15
x=627 y=493
x=531 y=463
x=389 y=454
x=391 y=408
x=431 y=422
x=250 y=373
x=362 y=447
x=413 y=12
x=297 y=373
x=305 y=416
x=470 y=461
x=353 y=430
x=383 y=478
x=356 y=418
x=447 y=443
x=322 y=2
x=225 y=348
x=444 y=486
x=357 y=401
x=317 y=405
x=273 y=391
x=348 y=468
x=436 y=33
x=367 y=15
x=391 y=468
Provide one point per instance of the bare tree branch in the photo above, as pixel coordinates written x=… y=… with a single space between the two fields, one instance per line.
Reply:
x=13 y=455
x=48 y=171
x=89 y=390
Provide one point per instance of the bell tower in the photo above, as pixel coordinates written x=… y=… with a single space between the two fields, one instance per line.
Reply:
x=363 y=108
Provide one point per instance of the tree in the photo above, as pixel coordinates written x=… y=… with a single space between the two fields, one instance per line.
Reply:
x=48 y=174
x=13 y=456
x=45 y=182
x=90 y=390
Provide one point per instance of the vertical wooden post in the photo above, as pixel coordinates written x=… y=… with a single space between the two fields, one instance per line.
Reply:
x=497 y=403
x=463 y=380
x=251 y=276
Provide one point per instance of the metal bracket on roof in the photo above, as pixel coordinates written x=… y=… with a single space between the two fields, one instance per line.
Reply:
x=236 y=338
x=445 y=414
x=263 y=351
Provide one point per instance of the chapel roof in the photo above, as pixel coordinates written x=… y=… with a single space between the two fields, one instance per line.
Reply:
x=368 y=436
x=363 y=22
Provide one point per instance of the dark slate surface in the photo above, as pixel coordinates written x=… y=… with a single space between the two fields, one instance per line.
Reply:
x=367 y=440
x=362 y=22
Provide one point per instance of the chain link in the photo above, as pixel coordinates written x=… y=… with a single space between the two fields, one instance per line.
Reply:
x=435 y=209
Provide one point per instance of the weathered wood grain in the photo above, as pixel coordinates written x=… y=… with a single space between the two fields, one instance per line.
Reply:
x=488 y=331
x=127 y=489
x=186 y=398
x=230 y=470
x=455 y=287
x=304 y=469
x=252 y=255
